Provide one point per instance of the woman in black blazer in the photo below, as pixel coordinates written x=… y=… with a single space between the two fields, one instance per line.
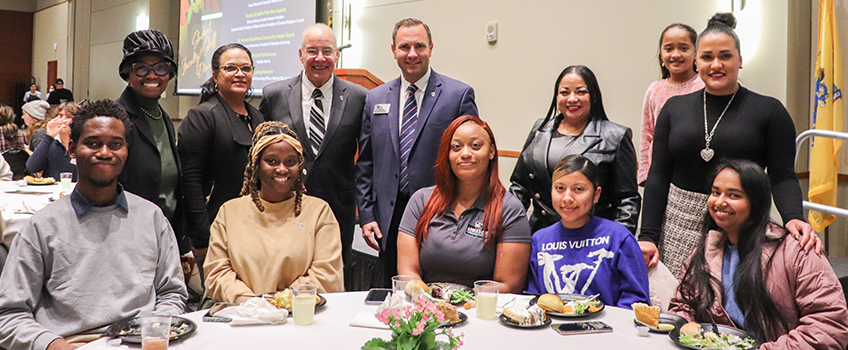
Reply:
x=577 y=124
x=214 y=140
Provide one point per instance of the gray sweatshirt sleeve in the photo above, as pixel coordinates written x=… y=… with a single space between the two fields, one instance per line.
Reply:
x=20 y=291
x=171 y=293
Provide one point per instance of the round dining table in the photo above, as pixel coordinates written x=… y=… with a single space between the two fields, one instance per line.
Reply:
x=332 y=329
x=18 y=203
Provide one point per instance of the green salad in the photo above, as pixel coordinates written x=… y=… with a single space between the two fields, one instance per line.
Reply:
x=722 y=341
x=579 y=307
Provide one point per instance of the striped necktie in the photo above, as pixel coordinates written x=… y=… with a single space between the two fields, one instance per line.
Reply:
x=407 y=130
x=316 y=121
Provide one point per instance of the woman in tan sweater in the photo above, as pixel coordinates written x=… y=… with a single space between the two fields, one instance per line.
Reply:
x=273 y=236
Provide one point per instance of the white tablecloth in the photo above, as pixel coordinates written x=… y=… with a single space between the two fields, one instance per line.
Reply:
x=13 y=198
x=331 y=331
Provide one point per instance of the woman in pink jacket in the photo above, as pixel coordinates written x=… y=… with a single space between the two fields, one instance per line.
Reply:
x=746 y=274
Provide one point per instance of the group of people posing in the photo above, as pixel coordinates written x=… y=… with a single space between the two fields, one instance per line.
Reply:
x=266 y=198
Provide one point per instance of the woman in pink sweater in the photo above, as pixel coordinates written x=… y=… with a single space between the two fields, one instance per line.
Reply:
x=679 y=77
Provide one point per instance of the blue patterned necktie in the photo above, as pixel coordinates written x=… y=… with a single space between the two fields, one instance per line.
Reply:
x=407 y=130
x=316 y=121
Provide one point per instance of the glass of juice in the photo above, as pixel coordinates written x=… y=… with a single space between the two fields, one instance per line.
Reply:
x=303 y=303
x=487 y=298
x=155 y=332
x=66 y=179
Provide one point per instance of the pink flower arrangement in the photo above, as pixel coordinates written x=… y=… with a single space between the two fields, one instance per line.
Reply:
x=415 y=327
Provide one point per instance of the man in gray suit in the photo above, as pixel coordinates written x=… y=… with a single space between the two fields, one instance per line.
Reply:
x=402 y=125
x=326 y=113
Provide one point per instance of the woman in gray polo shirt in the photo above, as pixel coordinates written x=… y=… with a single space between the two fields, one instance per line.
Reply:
x=467 y=227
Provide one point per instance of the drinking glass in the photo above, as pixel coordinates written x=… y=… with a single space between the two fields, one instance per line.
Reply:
x=399 y=283
x=487 y=298
x=303 y=303
x=155 y=332
x=66 y=179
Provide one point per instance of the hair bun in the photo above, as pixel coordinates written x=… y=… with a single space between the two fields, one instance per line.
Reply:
x=722 y=18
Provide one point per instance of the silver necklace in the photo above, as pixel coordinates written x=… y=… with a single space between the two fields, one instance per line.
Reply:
x=707 y=153
x=150 y=114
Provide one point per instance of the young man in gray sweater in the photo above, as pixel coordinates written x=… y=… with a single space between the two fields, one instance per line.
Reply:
x=93 y=257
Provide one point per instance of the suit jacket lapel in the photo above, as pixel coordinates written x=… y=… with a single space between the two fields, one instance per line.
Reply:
x=434 y=89
x=135 y=115
x=394 y=123
x=241 y=135
x=295 y=97
x=591 y=137
x=335 y=114
x=541 y=145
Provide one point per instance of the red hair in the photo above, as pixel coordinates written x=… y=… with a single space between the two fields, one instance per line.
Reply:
x=446 y=186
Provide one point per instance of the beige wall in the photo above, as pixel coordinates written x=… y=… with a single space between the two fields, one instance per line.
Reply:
x=51 y=30
x=514 y=78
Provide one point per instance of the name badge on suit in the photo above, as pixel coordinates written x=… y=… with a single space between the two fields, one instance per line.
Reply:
x=382 y=108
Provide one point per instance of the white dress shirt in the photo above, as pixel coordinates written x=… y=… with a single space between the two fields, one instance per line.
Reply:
x=306 y=88
x=419 y=95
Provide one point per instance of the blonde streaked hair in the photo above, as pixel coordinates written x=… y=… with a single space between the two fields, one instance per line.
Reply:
x=266 y=134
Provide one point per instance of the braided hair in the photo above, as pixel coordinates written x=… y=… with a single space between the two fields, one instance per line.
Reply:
x=266 y=134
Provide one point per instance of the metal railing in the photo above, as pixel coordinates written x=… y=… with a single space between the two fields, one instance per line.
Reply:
x=815 y=206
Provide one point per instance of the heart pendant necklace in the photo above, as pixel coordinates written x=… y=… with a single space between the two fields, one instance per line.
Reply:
x=707 y=153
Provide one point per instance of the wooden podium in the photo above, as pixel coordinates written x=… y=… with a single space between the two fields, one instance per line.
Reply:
x=359 y=77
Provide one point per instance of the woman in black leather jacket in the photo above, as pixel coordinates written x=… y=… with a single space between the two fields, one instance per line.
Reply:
x=577 y=124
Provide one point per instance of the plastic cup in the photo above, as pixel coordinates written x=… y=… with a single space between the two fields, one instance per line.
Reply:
x=303 y=304
x=66 y=179
x=487 y=298
x=155 y=332
x=399 y=283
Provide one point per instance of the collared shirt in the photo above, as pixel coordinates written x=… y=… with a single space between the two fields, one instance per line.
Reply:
x=81 y=204
x=419 y=94
x=306 y=89
x=454 y=249
x=730 y=262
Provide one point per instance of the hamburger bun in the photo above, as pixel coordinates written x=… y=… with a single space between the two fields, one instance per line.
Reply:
x=691 y=329
x=550 y=302
x=416 y=287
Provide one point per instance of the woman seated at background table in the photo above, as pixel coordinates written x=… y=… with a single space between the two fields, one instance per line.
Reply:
x=35 y=116
x=51 y=157
x=746 y=273
x=466 y=227
x=583 y=253
x=10 y=136
x=273 y=236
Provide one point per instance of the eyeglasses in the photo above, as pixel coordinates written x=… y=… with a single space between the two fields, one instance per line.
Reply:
x=143 y=69
x=233 y=69
x=327 y=51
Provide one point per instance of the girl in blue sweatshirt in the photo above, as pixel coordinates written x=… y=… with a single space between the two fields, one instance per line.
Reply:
x=585 y=254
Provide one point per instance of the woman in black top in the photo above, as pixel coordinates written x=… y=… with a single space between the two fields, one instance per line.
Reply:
x=577 y=124
x=740 y=124
x=215 y=138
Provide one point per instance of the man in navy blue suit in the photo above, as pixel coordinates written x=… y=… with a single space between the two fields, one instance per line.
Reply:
x=402 y=125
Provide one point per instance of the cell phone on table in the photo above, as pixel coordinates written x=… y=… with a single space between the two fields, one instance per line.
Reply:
x=211 y=317
x=376 y=296
x=581 y=327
